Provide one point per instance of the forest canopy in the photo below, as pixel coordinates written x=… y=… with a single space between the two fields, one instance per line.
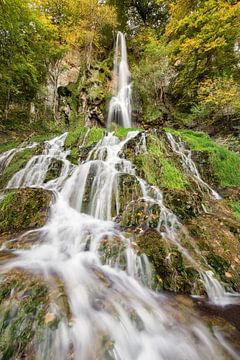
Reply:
x=184 y=55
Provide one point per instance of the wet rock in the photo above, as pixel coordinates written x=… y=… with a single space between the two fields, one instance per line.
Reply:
x=230 y=193
x=54 y=170
x=111 y=251
x=26 y=313
x=205 y=167
x=140 y=214
x=129 y=190
x=172 y=270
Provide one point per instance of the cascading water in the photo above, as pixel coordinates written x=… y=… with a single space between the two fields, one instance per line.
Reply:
x=120 y=104
x=6 y=157
x=36 y=169
x=109 y=300
x=179 y=148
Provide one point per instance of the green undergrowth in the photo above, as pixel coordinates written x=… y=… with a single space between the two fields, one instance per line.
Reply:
x=18 y=162
x=21 y=138
x=158 y=168
x=95 y=135
x=9 y=145
x=23 y=209
x=121 y=133
x=235 y=206
x=76 y=137
x=225 y=163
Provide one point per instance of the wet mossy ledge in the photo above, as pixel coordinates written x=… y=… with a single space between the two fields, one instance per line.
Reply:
x=24 y=209
x=218 y=166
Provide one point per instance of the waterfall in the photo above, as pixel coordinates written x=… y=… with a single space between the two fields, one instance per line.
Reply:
x=120 y=104
x=110 y=299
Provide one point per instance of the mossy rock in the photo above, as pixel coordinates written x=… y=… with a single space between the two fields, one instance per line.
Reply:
x=54 y=170
x=155 y=163
x=111 y=251
x=217 y=235
x=23 y=305
x=26 y=305
x=205 y=167
x=24 y=209
x=172 y=270
x=140 y=214
x=183 y=203
x=224 y=164
x=129 y=190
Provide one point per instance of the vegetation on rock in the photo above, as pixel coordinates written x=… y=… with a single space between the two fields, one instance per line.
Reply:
x=24 y=209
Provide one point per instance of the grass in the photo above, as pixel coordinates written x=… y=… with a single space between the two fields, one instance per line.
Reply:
x=74 y=136
x=121 y=133
x=95 y=135
x=225 y=163
x=235 y=206
x=158 y=169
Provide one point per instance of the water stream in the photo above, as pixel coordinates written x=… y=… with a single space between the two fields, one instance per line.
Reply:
x=120 y=105
x=109 y=300
x=180 y=149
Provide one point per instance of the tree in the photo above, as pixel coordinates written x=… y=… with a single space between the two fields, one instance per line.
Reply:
x=201 y=35
x=26 y=45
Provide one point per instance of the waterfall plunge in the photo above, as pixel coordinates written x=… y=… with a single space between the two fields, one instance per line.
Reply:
x=120 y=105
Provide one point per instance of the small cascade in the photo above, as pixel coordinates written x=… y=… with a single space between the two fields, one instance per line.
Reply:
x=6 y=157
x=34 y=173
x=216 y=293
x=109 y=297
x=120 y=104
x=179 y=148
x=106 y=166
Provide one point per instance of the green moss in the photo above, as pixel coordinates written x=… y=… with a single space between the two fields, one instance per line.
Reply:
x=121 y=133
x=158 y=169
x=75 y=136
x=171 y=271
x=19 y=161
x=23 y=209
x=225 y=163
x=219 y=264
x=95 y=135
x=235 y=206
x=73 y=141
x=9 y=145
x=45 y=136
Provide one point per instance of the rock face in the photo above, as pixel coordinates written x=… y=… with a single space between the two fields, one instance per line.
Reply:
x=76 y=94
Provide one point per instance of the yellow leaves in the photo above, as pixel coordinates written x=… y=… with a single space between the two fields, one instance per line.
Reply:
x=208 y=26
x=220 y=92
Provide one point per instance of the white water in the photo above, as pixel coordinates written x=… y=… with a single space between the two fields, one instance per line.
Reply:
x=37 y=167
x=120 y=105
x=108 y=300
x=179 y=148
x=6 y=157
